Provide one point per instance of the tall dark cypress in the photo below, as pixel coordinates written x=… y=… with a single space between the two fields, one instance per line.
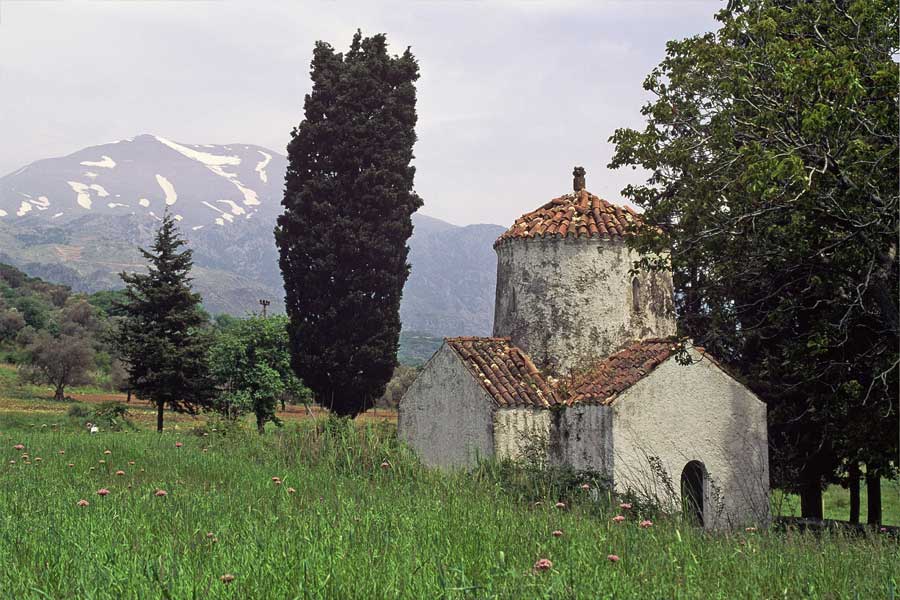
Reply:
x=347 y=217
x=162 y=338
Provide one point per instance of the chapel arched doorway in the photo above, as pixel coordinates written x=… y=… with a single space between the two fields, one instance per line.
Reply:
x=693 y=483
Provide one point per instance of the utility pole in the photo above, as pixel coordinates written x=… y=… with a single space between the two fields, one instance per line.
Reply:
x=264 y=304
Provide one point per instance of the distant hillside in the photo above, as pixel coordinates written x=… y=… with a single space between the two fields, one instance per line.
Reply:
x=80 y=219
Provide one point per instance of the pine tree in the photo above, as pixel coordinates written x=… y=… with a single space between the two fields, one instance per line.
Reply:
x=161 y=337
x=347 y=217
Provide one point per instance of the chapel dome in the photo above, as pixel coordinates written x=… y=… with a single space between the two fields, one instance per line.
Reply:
x=575 y=215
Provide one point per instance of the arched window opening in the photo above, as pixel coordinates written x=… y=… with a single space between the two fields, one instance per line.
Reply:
x=693 y=480
x=636 y=295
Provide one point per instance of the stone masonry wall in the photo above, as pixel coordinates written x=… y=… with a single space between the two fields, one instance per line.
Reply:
x=568 y=301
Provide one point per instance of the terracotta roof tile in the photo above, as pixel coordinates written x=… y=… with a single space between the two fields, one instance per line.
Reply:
x=609 y=377
x=579 y=214
x=504 y=371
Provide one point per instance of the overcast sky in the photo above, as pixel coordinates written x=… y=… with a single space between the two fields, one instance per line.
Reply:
x=512 y=94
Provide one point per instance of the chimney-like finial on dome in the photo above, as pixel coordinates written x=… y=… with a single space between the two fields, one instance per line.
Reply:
x=578 y=183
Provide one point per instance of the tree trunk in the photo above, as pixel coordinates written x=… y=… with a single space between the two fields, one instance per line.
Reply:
x=873 y=497
x=853 y=484
x=128 y=399
x=260 y=425
x=60 y=392
x=811 y=501
x=159 y=416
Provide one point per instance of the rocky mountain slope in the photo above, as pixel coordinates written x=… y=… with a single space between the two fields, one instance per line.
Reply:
x=80 y=219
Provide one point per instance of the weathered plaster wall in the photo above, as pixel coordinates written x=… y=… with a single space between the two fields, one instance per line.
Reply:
x=568 y=301
x=445 y=415
x=521 y=431
x=697 y=412
x=581 y=437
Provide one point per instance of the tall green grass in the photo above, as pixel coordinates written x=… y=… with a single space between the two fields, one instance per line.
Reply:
x=356 y=529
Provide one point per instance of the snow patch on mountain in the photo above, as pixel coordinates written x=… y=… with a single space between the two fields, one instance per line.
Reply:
x=2 y=213
x=105 y=162
x=144 y=202
x=24 y=207
x=235 y=207
x=204 y=157
x=261 y=166
x=90 y=174
x=82 y=194
x=41 y=202
x=116 y=204
x=168 y=189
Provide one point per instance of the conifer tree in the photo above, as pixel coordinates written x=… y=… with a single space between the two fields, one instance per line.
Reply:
x=347 y=217
x=161 y=337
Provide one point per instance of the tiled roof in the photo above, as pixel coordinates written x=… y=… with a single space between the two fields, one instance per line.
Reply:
x=617 y=372
x=504 y=371
x=579 y=214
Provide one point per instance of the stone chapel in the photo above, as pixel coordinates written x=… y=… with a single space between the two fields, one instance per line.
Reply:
x=582 y=363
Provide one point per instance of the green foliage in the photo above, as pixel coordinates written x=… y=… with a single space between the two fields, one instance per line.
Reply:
x=162 y=337
x=342 y=237
x=110 y=302
x=251 y=363
x=61 y=361
x=112 y=416
x=773 y=192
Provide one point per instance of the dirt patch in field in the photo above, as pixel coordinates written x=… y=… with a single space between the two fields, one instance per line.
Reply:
x=295 y=412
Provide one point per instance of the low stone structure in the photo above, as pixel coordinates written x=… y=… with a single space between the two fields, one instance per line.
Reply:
x=583 y=371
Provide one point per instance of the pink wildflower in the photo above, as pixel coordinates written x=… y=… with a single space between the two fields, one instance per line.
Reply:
x=625 y=506
x=120 y=473
x=291 y=490
x=19 y=446
x=618 y=518
x=227 y=578
x=646 y=523
x=385 y=465
x=160 y=493
x=585 y=486
x=83 y=502
x=543 y=564
x=560 y=505
x=612 y=558
x=178 y=444
x=557 y=533
x=276 y=480
x=102 y=492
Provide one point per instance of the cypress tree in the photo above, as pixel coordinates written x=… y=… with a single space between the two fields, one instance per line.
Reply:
x=161 y=337
x=347 y=217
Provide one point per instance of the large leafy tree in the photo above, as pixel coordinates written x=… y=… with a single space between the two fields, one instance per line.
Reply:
x=251 y=363
x=772 y=151
x=347 y=217
x=162 y=337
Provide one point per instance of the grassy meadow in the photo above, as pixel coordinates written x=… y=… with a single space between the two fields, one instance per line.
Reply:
x=352 y=515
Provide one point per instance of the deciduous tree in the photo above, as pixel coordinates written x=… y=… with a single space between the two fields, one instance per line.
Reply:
x=771 y=147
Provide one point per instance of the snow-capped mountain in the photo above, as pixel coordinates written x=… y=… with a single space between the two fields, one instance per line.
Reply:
x=80 y=219
x=202 y=185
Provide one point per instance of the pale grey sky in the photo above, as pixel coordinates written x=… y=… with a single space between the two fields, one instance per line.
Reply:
x=513 y=94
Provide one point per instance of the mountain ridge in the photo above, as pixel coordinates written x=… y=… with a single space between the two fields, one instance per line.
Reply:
x=226 y=199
